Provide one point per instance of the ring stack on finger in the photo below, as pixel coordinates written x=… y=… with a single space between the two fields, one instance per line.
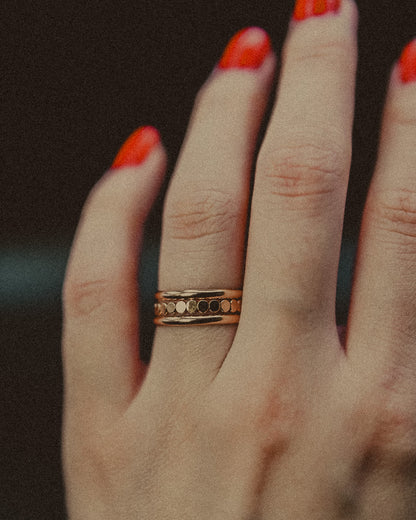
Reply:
x=198 y=307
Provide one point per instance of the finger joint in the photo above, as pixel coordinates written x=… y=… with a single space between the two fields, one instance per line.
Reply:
x=85 y=298
x=208 y=214
x=303 y=173
x=394 y=213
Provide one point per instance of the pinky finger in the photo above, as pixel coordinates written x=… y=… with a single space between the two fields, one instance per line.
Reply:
x=100 y=347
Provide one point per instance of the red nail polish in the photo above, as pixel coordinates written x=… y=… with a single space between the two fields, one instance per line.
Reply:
x=307 y=8
x=137 y=147
x=246 y=50
x=407 y=63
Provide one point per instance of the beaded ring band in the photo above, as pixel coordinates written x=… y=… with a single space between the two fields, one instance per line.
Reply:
x=198 y=307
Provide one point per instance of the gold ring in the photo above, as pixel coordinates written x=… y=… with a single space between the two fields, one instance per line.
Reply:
x=198 y=307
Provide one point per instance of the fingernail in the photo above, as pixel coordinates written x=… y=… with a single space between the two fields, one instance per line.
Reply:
x=307 y=8
x=137 y=147
x=407 y=63
x=246 y=50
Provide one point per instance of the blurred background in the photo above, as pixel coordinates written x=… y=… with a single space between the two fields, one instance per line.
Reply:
x=77 y=79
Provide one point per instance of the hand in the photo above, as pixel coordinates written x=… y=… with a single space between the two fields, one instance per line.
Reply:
x=274 y=419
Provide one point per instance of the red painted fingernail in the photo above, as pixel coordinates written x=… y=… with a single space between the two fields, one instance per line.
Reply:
x=407 y=63
x=137 y=147
x=246 y=50
x=307 y=8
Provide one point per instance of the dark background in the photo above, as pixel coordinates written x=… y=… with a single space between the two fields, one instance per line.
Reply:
x=77 y=78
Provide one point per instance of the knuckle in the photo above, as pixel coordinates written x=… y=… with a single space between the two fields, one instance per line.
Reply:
x=266 y=421
x=108 y=460
x=405 y=118
x=401 y=112
x=275 y=418
x=331 y=54
x=201 y=215
x=84 y=298
x=394 y=442
x=393 y=436
x=394 y=213
x=219 y=96
x=311 y=170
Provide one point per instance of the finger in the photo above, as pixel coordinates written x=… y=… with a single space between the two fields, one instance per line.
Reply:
x=383 y=305
x=204 y=221
x=100 y=348
x=301 y=181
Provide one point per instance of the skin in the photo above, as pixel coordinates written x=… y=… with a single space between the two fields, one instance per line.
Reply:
x=272 y=420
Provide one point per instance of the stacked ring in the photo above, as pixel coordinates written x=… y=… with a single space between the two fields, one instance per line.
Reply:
x=198 y=307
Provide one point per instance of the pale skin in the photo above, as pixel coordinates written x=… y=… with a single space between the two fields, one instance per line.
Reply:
x=273 y=419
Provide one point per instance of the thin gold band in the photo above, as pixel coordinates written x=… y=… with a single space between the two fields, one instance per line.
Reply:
x=198 y=307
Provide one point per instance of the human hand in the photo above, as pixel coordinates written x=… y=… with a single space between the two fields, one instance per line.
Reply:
x=272 y=419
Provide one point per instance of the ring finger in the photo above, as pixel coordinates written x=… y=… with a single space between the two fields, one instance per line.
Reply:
x=204 y=221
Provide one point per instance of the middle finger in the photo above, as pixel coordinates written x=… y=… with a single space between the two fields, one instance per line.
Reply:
x=301 y=182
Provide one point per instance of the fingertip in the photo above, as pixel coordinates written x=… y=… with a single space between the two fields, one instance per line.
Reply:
x=247 y=49
x=400 y=103
x=137 y=148
x=332 y=16
x=307 y=8
x=406 y=65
